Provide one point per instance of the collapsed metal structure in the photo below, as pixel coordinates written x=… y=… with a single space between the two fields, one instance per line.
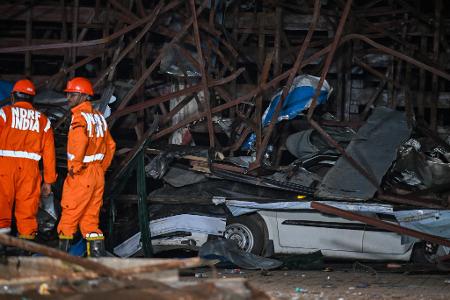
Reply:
x=393 y=53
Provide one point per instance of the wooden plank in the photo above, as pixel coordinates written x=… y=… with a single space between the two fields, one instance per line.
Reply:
x=277 y=42
x=30 y=270
x=17 y=42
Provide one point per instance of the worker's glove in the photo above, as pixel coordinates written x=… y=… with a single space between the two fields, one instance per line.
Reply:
x=76 y=169
x=46 y=189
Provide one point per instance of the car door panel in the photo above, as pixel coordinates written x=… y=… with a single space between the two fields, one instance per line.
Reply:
x=313 y=230
x=377 y=240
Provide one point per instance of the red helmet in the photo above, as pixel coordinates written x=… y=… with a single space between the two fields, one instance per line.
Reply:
x=79 y=85
x=24 y=86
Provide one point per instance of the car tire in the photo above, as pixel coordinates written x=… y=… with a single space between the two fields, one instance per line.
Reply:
x=249 y=231
x=418 y=255
x=426 y=253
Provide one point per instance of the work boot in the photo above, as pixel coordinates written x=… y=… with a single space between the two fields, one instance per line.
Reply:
x=65 y=242
x=95 y=245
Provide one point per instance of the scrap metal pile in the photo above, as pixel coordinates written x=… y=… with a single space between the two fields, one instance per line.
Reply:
x=261 y=101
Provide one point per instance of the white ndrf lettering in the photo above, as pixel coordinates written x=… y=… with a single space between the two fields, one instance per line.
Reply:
x=99 y=126
x=95 y=122
x=35 y=126
x=15 y=116
x=25 y=119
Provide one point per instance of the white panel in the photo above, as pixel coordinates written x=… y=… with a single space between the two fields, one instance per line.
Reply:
x=384 y=242
x=315 y=237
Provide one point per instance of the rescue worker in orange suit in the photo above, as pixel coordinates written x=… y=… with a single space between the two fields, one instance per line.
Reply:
x=26 y=136
x=90 y=150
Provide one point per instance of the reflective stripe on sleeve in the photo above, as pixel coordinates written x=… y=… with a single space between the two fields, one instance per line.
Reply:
x=47 y=127
x=2 y=114
x=20 y=154
x=70 y=156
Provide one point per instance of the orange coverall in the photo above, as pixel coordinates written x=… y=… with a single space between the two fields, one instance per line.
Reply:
x=90 y=150
x=26 y=136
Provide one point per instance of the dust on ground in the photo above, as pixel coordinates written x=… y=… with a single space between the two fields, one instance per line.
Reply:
x=343 y=281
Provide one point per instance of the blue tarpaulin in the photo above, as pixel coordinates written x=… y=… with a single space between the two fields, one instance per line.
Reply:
x=298 y=100
x=5 y=89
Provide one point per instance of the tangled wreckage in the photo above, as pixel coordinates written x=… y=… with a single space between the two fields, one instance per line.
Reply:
x=287 y=128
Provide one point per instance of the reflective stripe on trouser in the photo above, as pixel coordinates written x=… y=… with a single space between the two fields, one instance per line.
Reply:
x=5 y=230
x=81 y=201
x=20 y=183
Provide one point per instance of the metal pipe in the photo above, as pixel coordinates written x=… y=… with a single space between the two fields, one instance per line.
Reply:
x=275 y=81
x=104 y=40
x=330 y=56
x=397 y=54
x=73 y=67
x=155 y=63
x=155 y=101
x=292 y=73
x=435 y=79
x=258 y=109
x=409 y=200
x=350 y=159
x=73 y=50
x=28 y=38
x=124 y=10
x=374 y=97
x=166 y=118
x=131 y=45
x=206 y=94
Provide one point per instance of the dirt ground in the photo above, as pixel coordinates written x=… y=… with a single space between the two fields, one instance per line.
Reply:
x=344 y=281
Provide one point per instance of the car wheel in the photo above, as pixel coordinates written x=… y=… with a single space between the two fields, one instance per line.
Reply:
x=248 y=231
x=427 y=253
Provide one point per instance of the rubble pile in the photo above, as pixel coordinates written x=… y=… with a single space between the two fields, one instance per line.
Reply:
x=221 y=109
